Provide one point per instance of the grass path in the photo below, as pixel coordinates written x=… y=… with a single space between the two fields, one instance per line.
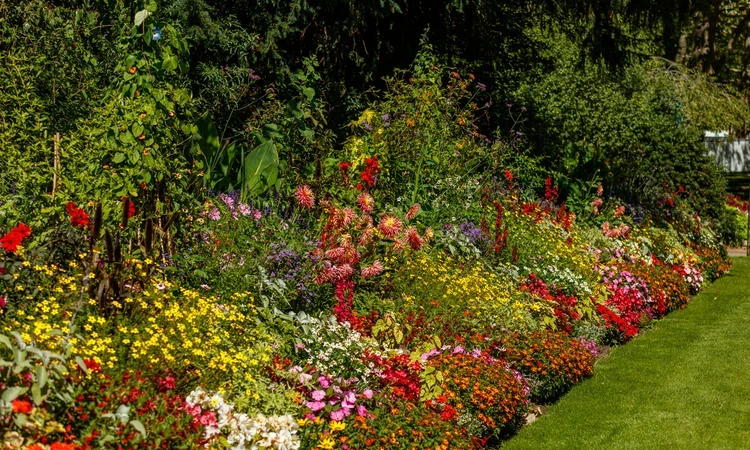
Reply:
x=684 y=384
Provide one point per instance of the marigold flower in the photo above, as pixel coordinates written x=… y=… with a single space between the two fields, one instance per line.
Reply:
x=305 y=197
x=390 y=226
x=366 y=203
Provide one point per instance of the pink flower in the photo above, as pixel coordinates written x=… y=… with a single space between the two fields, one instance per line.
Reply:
x=374 y=270
x=214 y=214
x=366 y=203
x=459 y=350
x=2 y=302
x=305 y=197
x=338 y=415
x=361 y=411
x=323 y=382
x=318 y=395
x=244 y=209
x=367 y=393
x=257 y=215
x=316 y=406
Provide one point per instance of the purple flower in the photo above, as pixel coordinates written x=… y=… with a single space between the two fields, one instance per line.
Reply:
x=482 y=86
x=214 y=214
x=253 y=76
x=458 y=350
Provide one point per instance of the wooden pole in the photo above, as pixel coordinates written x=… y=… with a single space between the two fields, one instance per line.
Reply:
x=55 y=165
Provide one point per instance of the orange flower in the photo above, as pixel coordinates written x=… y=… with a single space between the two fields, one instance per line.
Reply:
x=22 y=406
x=132 y=70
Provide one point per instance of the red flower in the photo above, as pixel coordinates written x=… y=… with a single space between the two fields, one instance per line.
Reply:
x=22 y=406
x=390 y=226
x=78 y=216
x=92 y=365
x=344 y=166
x=131 y=206
x=61 y=446
x=508 y=175
x=15 y=237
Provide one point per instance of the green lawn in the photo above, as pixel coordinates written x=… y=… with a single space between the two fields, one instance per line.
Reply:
x=684 y=384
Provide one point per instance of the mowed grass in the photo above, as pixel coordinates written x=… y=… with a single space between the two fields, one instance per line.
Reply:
x=684 y=384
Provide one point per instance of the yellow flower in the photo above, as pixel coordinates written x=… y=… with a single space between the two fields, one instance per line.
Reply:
x=327 y=443
x=337 y=426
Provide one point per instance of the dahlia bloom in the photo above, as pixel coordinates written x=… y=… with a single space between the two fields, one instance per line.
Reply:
x=305 y=197
x=390 y=226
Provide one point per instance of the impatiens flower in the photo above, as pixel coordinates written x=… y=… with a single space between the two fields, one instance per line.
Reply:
x=318 y=395
x=374 y=270
x=78 y=216
x=305 y=197
x=390 y=226
x=413 y=211
x=366 y=203
x=317 y=406
x=338 y=415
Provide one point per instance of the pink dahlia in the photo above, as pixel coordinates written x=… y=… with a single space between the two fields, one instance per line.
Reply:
x=305 y=197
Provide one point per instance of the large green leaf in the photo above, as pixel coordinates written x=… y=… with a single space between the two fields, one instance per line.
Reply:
x=261 y=168
x=209 y=141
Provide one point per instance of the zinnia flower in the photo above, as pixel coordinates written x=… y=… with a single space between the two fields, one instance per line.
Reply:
x=390 y=226
x=15 y=237
x=305 y=197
